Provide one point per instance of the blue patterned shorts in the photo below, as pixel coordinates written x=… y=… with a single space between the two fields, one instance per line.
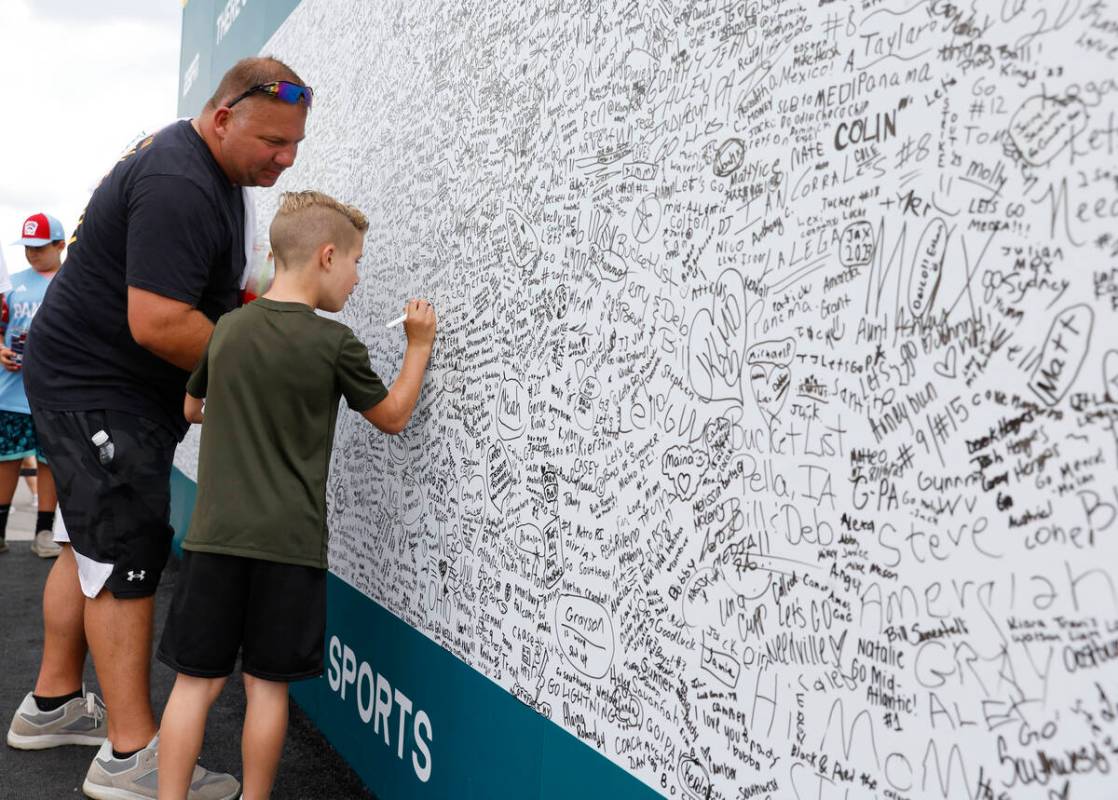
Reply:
x=17 y=437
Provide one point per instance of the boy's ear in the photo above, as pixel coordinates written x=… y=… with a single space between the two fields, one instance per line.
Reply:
x=326 y=256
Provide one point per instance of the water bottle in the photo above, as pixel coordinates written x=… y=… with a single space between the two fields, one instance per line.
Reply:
x=104 y=446
x=18 y=343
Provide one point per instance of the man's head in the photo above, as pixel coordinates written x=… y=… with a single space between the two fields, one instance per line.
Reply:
x=314 y=232
x=43 y=240
x=255 y=120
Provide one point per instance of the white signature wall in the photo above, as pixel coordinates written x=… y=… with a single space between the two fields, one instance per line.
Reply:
x=769 y=442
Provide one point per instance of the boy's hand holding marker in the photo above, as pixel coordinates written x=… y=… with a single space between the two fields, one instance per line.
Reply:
x=418 y=320
x=393 y=413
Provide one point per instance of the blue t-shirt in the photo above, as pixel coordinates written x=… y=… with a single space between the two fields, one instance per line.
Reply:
x=23 y=301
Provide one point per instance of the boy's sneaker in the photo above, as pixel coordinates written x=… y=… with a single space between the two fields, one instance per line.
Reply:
x=44 y=545
x=137 y=777
x=78 y=721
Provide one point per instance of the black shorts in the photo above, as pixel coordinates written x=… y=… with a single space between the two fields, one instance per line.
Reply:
x=117 y=510
x=274 y=613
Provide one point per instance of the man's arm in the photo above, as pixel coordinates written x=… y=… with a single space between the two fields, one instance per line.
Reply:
x=175 y=331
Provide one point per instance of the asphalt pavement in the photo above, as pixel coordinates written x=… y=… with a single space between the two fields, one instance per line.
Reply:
x=309 y=770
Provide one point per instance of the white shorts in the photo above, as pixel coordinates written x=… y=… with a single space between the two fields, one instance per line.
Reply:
x=91 y=574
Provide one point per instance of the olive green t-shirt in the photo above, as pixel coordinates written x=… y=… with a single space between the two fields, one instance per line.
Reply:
x=272 y=376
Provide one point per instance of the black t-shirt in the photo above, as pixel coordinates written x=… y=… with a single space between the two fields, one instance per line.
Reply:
x=165 y=219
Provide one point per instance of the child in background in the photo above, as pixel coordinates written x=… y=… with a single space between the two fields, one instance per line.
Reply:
x=28 y=470
x=253 y=575
x=43 y=241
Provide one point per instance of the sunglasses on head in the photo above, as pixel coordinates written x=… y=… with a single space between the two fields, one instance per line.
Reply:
x=286 y=91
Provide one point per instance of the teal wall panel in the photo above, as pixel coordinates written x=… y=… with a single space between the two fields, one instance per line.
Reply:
x=183 y=492
x=481 y=742
x=218 y=33
x=195 y=77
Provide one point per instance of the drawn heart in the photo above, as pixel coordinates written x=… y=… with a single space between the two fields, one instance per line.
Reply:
x=716 y=343
x=524 y=243
x=770 y=383
x=684 y=467
x=1110 y=375
x=948 y=368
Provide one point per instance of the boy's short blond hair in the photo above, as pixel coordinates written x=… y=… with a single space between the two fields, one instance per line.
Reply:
x=307 y=220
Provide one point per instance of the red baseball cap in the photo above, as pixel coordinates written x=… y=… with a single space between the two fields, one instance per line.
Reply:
x=40 y=229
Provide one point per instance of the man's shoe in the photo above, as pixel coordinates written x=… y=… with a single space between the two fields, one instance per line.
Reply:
x=3 y=545
x=137 y=777
x=78 y=721
x=44 y=546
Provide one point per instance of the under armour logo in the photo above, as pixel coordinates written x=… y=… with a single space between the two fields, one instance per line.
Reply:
x=30 y=228
x=136 y=576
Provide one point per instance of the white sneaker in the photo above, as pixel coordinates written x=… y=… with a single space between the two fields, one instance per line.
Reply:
x=44 y=545
x=137 y=777
x=78 y=721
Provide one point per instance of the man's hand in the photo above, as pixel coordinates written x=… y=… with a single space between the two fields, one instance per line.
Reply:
x=194 y=409
x=8 y=359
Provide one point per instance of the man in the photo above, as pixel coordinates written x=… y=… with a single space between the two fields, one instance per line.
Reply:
x=158 y=256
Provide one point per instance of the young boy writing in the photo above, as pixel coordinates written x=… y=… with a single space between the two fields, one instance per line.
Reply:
x=43 y=241
x=253 y=575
